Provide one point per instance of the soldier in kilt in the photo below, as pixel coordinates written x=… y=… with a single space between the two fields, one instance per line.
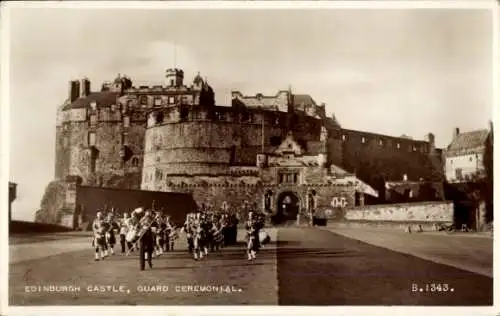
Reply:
x=99 y=241
x=253 y=243
x=111 y=229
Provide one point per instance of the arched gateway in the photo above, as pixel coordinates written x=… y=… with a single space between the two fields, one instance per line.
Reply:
x=287 y=208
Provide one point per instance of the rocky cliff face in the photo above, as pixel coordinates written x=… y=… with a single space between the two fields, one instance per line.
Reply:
x=52 y=202
x=55 y=206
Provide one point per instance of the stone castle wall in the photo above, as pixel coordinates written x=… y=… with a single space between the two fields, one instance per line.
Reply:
x=236 y=194
x=118 y=144
x=434 y=212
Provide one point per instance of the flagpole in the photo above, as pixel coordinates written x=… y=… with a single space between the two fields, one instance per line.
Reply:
x=175 y=55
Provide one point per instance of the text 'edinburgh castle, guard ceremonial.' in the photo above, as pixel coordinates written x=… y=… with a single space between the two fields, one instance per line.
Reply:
x=282 y=154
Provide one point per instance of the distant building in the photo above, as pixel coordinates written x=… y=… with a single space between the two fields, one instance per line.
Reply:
x=12 y=197
x=465 y=155
x=405 y=191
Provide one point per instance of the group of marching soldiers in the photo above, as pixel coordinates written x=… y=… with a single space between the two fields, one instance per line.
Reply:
x=209 y=231
x=205 y=232
x=152 y=234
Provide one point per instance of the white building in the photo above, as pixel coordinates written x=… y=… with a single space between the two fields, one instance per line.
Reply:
x=464 y=156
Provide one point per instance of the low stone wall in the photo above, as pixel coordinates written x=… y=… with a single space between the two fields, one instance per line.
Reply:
x=423 y=212
x=414 y=226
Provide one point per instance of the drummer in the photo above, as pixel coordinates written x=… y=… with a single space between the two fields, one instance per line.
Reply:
x=132 y=225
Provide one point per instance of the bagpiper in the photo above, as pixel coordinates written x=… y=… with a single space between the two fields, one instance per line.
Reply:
x=169 y=233
x=159 y=234
x=188 y=230
x=99 y=229
x=198 y=238
x=146 y=241
x=124 y=229
x=111 y=228
x=253 y=243
x=218 y=237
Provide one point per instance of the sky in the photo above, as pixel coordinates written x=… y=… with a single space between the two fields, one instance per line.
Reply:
x=393 y=72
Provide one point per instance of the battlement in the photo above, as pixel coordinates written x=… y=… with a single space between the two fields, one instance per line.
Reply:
x=161 y=89
x=278 y=102
x=368 y=139
x=283 y=101
x=258 y=116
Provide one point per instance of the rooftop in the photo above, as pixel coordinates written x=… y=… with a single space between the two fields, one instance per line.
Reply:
x=103 y=98
x=469 y=140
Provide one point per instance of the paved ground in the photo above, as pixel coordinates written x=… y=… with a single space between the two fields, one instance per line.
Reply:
x=241 y=282
x=467 y=251
x=307 y=267
x=318 y=267
x=17 y=239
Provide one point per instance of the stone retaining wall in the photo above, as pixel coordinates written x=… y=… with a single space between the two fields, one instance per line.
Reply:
x=424 y=212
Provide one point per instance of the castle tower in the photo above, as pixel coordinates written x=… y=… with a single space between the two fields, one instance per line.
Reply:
x=198 y=82
x=174 y=77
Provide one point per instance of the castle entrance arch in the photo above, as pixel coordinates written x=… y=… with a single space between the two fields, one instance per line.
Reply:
x=288 y=204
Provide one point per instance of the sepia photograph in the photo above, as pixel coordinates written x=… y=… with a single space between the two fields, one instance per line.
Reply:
x=247 y=155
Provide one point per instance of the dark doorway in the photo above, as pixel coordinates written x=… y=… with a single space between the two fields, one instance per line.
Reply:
x=287 y=207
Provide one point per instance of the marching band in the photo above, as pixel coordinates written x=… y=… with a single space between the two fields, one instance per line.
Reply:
x=154 y=234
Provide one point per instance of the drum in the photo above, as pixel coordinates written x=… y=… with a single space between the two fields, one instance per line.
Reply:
x=264 y=237
x=131 y=235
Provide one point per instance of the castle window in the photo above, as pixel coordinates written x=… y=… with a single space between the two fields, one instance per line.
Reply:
x=127 y=106
x=171 y=82
x=171 y=100
x=398 y=145
x=381 y=142
x=143 y=100
x=184 y=113
x=157 y=101
x=197 y=115
x=363 y=140
x=159 y=117
x=93 y=105
x=288 y=178
x=126 y=121
x=65 y=141
x=91 y=139
x=124 y=138
x=232 y=157
x=158 y=175
x=93 y=119
x=344 y=137
x=135 y=162
x=275 y=141
x=246 y=118
x=414 y=148
x=113 y=107
x=470 y=158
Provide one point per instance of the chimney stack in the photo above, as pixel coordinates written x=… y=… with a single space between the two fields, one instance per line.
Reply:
x=85 y=87
x=456 y=132
x=73 y=90
x=431 y=140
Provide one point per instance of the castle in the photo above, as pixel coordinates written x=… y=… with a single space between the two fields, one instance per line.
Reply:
x=281 y=153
